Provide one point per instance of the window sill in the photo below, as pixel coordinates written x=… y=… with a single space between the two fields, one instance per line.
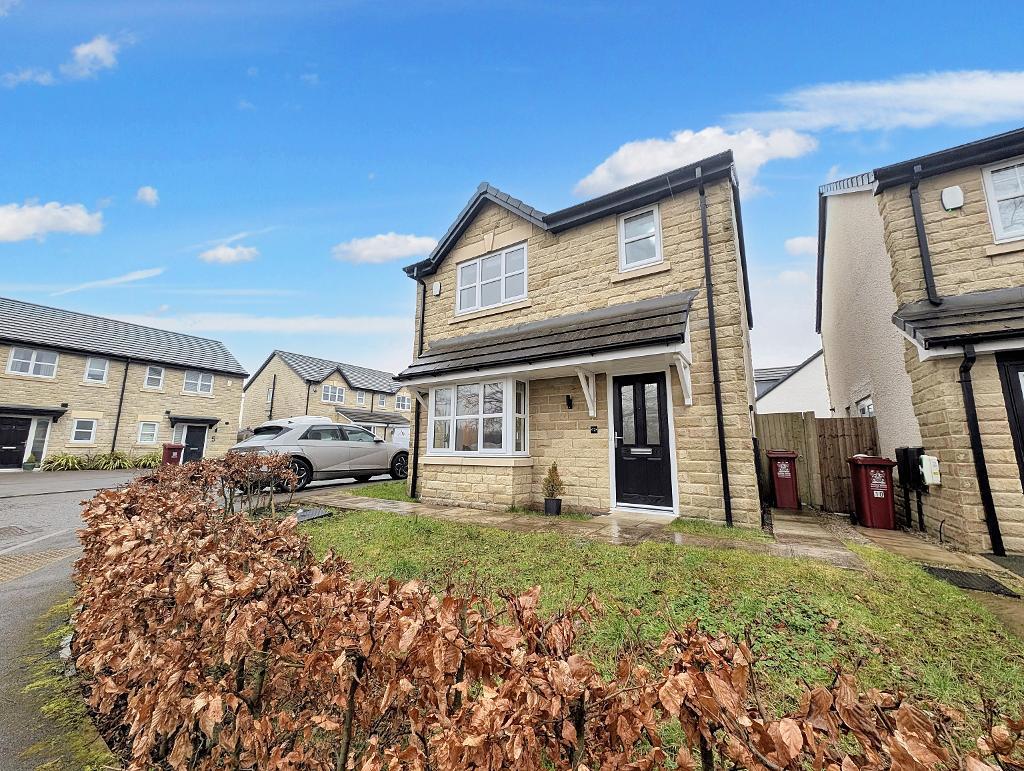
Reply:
x=92 y=384
x=202 y=396
x=477 y=460
x=1006 y=247
x=646 y=270
x=513 y=306
x=25 y=375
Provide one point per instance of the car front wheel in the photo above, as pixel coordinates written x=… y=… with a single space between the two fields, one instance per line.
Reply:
x=303 y=472
x=400 y=466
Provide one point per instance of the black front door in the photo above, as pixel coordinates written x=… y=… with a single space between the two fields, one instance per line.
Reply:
x=13 y=436
x=195 y=442
x=1011 y=372
x=643 y=464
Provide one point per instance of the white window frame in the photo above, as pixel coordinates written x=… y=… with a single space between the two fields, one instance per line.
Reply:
x=360 y=397
x=507 y=414
x=505 y=300
x=156 y=432
x=149 y=371
x=199 y=385
x=32 y=362
x=863 y=402
x=89 y=362
x=338 y=391
x=270 y=395
x=659 y=255
x=403 y=402
x=92 y=432
x=382 y=400
x=992 y=202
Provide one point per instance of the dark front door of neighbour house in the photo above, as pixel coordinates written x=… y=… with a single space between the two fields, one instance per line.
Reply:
x=643 y=463
x=1011 y=372
x=13 y=436
x=195 y=443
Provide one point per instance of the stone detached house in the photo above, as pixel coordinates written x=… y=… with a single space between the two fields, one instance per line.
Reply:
x=290 y=384
x=81 y=384
x=610 y=338
x=921 y=312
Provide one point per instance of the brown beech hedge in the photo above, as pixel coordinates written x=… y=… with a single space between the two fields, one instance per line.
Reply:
x=211 y=638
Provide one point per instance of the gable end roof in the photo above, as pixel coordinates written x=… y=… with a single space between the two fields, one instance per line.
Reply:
x=792 y=372
x=315 y=370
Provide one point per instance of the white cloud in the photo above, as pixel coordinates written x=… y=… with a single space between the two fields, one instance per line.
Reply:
x=127 y=278
x=783 y=300
x=27 y=75
x=6 y=6
x=959 y=98
x=310 y=78
x=802 y=245
x=383 y=247
x=645 y=158
x=147 y=195
x=32 y=220
x=308 y=325
x=226 y=254
x=245 y=105
x=91 y=57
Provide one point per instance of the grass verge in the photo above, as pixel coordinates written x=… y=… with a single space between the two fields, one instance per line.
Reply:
x=575 y=516
x=386 y=491
x=900 y=628
x=709 y=530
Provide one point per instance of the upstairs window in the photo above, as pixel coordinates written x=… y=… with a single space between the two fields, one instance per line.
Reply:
x=154 y=377
x=382 y=400
x=1004 y=189
x=492 y=280
x=332 y=394
x=865 y=407
x=96 y=370
x=198 y=383
x=360 y=397
x=29 y=361
x=640 y=238
x=403 y=402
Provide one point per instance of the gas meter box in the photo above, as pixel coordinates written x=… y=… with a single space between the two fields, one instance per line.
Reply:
x=930 y=470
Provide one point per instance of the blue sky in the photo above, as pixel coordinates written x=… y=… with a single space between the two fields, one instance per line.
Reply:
x=259 y=172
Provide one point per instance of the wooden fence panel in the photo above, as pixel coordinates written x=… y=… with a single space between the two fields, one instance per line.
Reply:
x=793 y=431
x=838 y=439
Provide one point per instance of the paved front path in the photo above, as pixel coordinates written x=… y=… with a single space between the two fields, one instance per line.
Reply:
x=796 y=536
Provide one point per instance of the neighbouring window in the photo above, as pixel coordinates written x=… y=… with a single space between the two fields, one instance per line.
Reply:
x=488 y=417
x=96 y=370
x=403 y=402
x=198 y=382
x=178 y=435
x=83 y=431
x=332 y=394
x=148 y=432
x=270 y=395
x=154 y=377
x=865 y=407
x=640 y=238
x=39 y=437
x=1004 y=188
x=382 y=400
x=360 y=397
x=492 y=280
x=30 y=361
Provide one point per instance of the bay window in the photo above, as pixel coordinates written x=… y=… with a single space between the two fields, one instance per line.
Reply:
x=494 y=279
x=488 y=417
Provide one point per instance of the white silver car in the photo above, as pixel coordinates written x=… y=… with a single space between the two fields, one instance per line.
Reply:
x=321 y=449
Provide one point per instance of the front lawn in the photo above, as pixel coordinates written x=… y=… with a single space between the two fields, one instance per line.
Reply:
x=709 y=530
x=387 y=491
x=903 y=628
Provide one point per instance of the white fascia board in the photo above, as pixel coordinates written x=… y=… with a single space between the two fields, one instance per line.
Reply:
x=950 y=351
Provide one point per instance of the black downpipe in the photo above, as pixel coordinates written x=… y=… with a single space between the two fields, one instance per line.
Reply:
x=922 y=240
x=120 y=404
x=416 y=414
x=308 y=386
x=719 y=415
x=273 y=395
x=980 y=469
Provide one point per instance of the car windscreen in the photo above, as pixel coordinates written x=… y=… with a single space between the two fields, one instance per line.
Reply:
x=269 y=432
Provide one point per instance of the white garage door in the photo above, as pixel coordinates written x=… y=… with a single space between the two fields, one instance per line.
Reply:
x=401 y=436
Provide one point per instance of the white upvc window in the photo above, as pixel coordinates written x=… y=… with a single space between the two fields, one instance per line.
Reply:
x=148 y=432
x=154 y=377
x=83 y=431
x=494 y=279
x=382 y=400
x=640 y=238
x=403 y=402
x=360 y=397
x=32 y=362
x=865 y=407
x=270 y=395
x=96 y=370
x=485 y=418
x=198 y=382
x=1004 y=190
x=332 y=394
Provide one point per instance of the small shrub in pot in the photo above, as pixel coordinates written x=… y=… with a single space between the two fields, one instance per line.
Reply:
x=553 y=487
x=30 y=463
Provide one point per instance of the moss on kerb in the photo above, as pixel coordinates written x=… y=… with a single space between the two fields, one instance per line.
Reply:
x=72 y=742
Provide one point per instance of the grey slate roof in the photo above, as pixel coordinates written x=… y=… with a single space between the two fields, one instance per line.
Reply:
x=788 y=372
x=968 y=318
x=366 y=416
x=315 y=370
x=41 y=325
x=766 y=377
x=647 y=322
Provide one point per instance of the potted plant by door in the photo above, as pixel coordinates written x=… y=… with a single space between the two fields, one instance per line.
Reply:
x=552 y=487
x=30 y=463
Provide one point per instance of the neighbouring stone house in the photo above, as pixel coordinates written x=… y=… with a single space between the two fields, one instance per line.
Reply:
x=81 y=384
x=921 y=312
x=583 y=337
x=291 y=384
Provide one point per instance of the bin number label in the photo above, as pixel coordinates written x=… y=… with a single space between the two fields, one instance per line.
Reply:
x=784 y=469
x=879 y=493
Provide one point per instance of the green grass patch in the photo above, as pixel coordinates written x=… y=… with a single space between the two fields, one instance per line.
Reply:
x=575 y=516
x=903 y=629
x=73 y=742
x=386 y=491
x=711 y=530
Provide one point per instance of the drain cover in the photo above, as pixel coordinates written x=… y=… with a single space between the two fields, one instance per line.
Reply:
x=978 y=582
x=304 y=515
x=1012 y=563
